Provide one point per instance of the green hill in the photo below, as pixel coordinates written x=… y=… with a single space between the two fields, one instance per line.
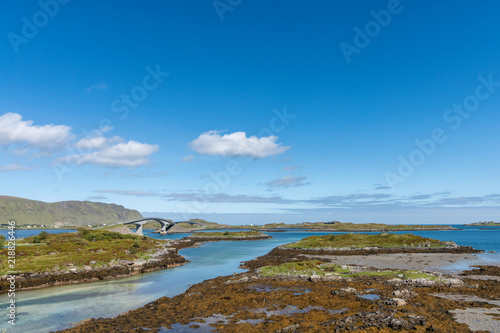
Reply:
x=74 y=213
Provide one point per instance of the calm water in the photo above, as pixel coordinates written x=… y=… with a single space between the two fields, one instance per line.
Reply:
x=56 y=308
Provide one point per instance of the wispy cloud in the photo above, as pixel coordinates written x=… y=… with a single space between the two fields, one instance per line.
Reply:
x=351 y=200
x=237 y=145
x=99 y=86
x=97 y=197
x=438 y=199
x=382 y=187
x=285 y=182
x=187 y=158
x=348 y=201
x=290 y=169
x=16 y=167
x=129 y=193
x=486 y=200
x=224 y=198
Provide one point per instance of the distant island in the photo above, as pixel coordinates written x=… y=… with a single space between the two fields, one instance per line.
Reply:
x=484 y=224
x=62 y=214
x=344 y=226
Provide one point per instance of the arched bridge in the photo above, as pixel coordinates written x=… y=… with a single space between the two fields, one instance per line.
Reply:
x=165 y=224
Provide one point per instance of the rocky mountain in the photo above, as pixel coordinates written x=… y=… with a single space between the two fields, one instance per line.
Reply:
x=74 y=213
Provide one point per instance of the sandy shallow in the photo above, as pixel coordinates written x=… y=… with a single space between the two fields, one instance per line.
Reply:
x=438 y=262
x=478 y=319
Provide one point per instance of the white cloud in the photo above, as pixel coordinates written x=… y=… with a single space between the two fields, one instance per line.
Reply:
x=237 y=144
x=15 y=130
x=113 y=152
x=96 y=142
x=285 y=182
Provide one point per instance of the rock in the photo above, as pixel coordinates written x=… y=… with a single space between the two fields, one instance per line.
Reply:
x=422 y=282
x=400 y=276
x=451 y=244
x=329 y=278
x=395 y=302
x=93 y=262
x=70 y=264
x=454 y=283
x=52 y=253
x=348 y=290
x=289 y=329
x=404 y=293
x=122 y=262
x=395 y=281
x=242 y=280
x=315 y=278
x=398 y=324
x=417 y=320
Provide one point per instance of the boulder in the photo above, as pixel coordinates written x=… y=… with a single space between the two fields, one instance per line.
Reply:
x=395 y=302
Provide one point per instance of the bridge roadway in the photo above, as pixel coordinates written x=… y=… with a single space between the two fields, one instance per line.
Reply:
x=165 y=224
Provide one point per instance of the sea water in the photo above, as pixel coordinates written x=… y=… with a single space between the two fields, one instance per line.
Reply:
x=56 y=308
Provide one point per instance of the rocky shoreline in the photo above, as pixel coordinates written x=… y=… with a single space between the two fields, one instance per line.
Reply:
x=167 y=257
x=252 y=302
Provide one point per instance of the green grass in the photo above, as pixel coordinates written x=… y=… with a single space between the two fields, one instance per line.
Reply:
x=79 y=248
x=357 y=241
x=315 y=267
x=310 y=267
x=227 y=234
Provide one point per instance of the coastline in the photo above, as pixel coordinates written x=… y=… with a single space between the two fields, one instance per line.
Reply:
x=165 y=258
x=252 y=302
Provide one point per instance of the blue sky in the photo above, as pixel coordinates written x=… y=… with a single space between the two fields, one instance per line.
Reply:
x=253 y=112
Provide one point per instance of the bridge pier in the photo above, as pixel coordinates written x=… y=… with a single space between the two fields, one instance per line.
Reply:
x=138 y=228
